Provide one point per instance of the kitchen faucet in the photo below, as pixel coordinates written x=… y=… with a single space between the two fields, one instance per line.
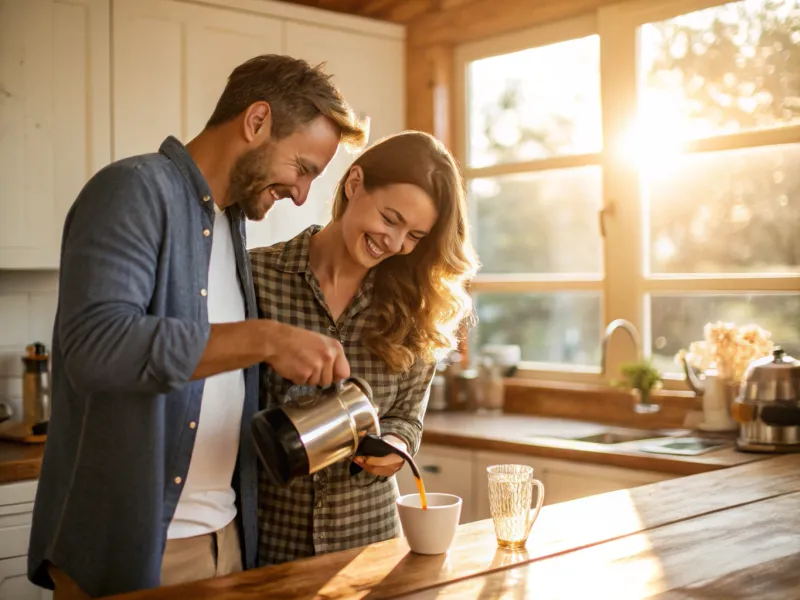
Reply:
x=637 y=342
x=612 y=327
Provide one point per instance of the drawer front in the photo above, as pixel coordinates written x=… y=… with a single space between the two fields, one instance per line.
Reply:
x=15 y=529
x=14 y=584
x=14 y=540
x=18 y=493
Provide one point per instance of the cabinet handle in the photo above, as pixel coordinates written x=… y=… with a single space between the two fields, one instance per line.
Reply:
x=435 y=469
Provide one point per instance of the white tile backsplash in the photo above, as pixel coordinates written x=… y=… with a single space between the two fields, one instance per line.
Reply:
x=27 y=309
x=14 y=319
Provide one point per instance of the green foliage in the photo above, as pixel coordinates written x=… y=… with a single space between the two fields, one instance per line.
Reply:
x=642 y=376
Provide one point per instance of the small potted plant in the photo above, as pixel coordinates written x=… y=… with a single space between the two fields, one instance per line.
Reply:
x=642 y=378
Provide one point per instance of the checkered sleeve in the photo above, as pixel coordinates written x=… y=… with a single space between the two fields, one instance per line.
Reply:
x=404 y=418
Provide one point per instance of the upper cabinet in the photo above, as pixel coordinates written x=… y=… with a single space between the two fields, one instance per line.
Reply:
x=370 y=72
x=170 y=83
x=54 y=120
x=67 y=108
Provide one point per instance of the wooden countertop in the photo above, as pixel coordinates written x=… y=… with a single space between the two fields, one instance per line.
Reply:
x=502 y=433
x=20 y=461
x=547 y=437
x=720 y=535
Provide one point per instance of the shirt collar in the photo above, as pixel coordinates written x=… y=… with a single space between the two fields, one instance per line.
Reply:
x=294 y=259
x=173 y=149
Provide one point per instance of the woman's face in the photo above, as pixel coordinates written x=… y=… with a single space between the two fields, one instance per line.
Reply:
x=387 y=221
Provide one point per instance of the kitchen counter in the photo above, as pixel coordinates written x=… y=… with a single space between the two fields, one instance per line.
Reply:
x=719 y=535
x=20 y=461
x=501 y=432
x=545 y=436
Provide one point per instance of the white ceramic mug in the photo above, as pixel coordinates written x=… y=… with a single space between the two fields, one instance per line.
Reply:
x=429 y=531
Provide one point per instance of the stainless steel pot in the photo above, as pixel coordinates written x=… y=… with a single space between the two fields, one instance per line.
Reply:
x=315 y=428
x=768 y=405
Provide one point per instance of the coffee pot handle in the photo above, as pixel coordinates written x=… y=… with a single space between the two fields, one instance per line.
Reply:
x=372 y=445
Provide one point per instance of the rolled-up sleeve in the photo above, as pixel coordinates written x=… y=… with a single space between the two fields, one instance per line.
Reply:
x=404 y=418
x=110 y=254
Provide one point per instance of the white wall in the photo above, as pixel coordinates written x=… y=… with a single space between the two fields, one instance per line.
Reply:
x=27 y=310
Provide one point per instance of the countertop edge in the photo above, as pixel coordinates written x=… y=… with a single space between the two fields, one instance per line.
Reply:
x=617 y=457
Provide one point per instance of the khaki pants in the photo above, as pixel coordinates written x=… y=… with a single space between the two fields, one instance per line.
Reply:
x=185 y=560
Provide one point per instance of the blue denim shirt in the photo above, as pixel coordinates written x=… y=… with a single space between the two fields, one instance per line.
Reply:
x=131 y=326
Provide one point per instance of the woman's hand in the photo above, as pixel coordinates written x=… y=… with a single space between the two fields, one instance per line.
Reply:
x=383 y=466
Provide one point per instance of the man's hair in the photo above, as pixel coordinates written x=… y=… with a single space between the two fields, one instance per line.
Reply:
x=297 y=94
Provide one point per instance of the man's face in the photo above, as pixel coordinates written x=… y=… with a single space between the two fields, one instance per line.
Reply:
x=284 y=168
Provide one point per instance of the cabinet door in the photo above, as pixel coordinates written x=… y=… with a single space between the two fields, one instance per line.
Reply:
x=171 y=63
x=54 y=120
x=369 y=70
x=481 y=481
x=569 y=481
x=443 y=470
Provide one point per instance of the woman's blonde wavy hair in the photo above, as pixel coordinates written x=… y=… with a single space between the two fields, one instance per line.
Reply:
x=420 y=299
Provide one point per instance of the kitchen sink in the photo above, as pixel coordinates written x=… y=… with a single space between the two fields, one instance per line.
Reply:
x=618 y=437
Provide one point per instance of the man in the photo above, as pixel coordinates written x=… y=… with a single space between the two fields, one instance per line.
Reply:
x=149 y=474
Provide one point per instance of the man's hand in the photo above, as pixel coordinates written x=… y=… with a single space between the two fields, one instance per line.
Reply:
x=305 y=357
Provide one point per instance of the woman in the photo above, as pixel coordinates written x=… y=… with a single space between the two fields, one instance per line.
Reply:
x=387 y=278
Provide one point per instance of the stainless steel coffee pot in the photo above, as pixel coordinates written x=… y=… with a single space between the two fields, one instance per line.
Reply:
x=314 y=428
x=768 y=405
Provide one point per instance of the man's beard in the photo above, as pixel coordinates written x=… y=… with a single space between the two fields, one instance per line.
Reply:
x=249 y=177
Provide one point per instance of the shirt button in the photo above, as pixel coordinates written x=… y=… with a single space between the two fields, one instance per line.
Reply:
x=204 y=292
x=178 y=480
x=206 y=198
x=192 y=425
x=332 y=329
x=206 y=232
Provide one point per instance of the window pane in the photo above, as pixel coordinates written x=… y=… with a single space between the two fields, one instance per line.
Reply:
x=543 y=222
x=515 y=112
x=726 y=212
x=561 y=328
x=679 y=320
x=724 y=69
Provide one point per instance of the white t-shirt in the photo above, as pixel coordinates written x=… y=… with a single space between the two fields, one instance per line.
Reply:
x=207 y=500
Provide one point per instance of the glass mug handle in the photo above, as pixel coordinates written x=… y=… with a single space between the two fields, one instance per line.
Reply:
x=539 y=500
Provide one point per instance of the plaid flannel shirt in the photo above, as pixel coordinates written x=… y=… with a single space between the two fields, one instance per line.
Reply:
x=330 y=510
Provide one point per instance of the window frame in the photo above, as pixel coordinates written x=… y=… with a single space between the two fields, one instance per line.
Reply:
x=625 y=289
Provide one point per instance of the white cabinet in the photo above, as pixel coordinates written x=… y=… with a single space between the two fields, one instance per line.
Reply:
x=171 y=63
x=444 y=471
x=567 y=480
x=54 y=120
x=463 y=472
x=370 y=72
x=196 y=47
x=16 y=508
x=67 y=108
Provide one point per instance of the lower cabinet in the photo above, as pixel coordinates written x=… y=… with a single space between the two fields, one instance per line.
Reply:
x=463 y=473
x=16 y=509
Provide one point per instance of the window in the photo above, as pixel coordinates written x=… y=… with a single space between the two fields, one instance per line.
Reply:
x=671 y=199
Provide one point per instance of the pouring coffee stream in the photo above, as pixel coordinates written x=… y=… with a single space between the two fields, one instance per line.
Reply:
x=315 y=428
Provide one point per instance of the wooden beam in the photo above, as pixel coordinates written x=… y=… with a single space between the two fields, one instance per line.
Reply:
x=470 y=21
x=429 y=91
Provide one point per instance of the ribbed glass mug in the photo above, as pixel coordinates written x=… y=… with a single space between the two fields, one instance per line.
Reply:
x=510 y=499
